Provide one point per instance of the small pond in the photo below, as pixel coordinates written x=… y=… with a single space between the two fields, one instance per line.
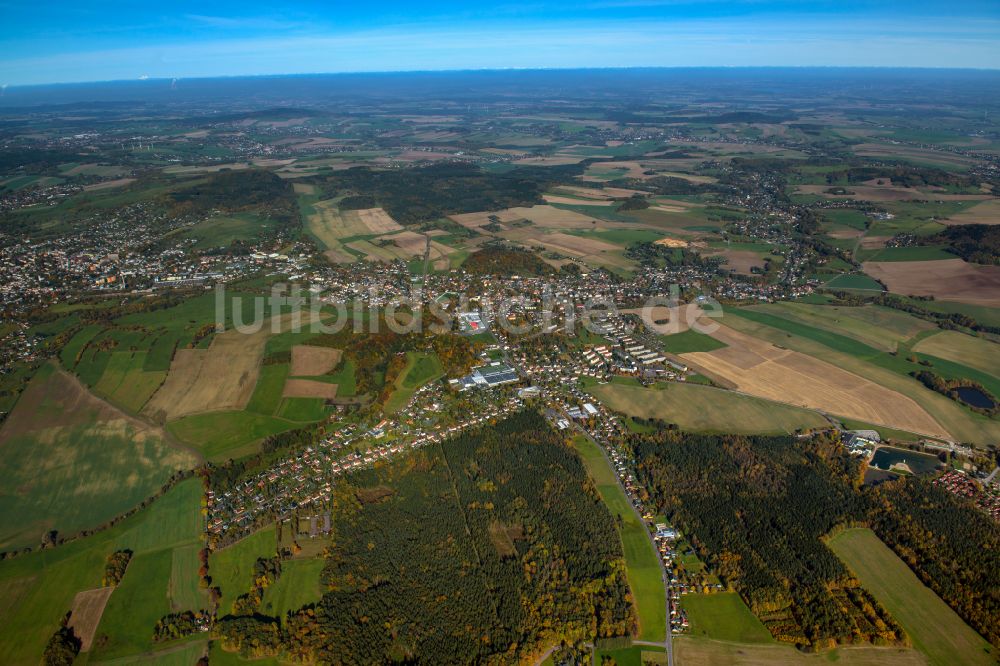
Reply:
x=975 y=397
x=919 y=463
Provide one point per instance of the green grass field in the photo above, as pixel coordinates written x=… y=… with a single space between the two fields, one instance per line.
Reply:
x=724 y=617
x=420 y=369
x=879 y=327
x=72 y=462
x=706 y=409
x=42 y=584
x=221 y=435
x=978 y=353
x=914 y=253
x=936 y=630
x=134 y=607
x=232 y=567
x=643 y=568
x=125 y=382
x=266 y=396
x=185 y=594
x=298 y=585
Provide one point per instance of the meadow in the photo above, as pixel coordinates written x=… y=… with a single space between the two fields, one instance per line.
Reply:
x=72 y=461
x=935 y=629
x=707 y=409
x=642 y=565
x=41 y=585
x=723 y=616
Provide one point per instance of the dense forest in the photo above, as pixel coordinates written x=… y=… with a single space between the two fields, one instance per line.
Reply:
x=252 y=190
x=757 y=510
x=488 y=548
x=952 y=546
x=976 y=243
x=506 y=261
x=422 y=194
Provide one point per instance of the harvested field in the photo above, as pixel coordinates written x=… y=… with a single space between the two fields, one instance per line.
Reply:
x=340 y=256
x=887 y=193
x=978 y=353
x=946 y=279
x=309 y=361
x=375 y=220
x=667 y=321
x=542 y=216
x=326 y=224
x=108 y=184
x=221 y=377
x=697 y=408
x=410 y=243
x=573 y=245
x=874 y=242
x=304 y=188
x=987 y=212
x=308 y=388
x=555 y=160
x=740 y=261
x=692 y=651
x=924 y=155
x=570 y=201
x=85 y=615
x=759 y=368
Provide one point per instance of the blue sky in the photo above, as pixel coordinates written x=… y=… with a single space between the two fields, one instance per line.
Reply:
x=49 y=42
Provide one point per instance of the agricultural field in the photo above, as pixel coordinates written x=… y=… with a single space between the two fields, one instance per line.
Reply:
x=297 y=587
x=856 y=358
x=723 y=616
x=45 y=582
x=947 y=279
x=978 y=353
x=692 y=651
x=935 y=629
x=641 y=560
x=879 y=327
x=73 y=461
x=781 y=375
x=219 y=378
x=697 y=408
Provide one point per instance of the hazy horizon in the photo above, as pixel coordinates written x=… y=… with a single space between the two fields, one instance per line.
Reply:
x=67 y=43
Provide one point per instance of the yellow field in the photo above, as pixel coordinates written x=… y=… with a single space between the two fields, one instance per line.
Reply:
x=764 y=370
x=978 y=353
x=221 y=377
x=935 y=629
x=962 y=424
